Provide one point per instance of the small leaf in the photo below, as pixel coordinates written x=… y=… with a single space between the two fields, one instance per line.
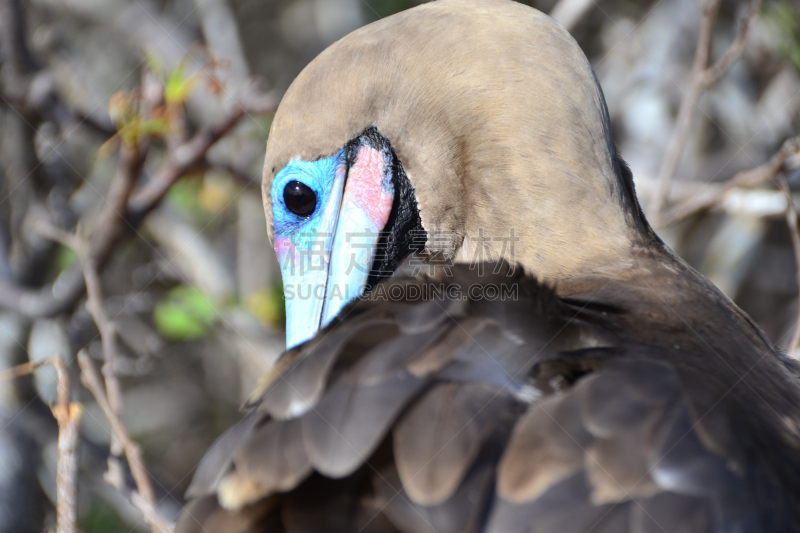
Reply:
x=185 y=313
x=65 y=258
x=178 y=86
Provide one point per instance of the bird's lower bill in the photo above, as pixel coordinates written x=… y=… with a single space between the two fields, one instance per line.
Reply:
x=325 y=263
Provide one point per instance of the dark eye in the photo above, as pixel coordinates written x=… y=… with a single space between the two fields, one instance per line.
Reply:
x=299 y=198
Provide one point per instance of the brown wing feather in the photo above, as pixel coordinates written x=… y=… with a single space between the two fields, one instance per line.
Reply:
x=298 y=388
x=350 y=421
x=528 y=415
x=439 y=437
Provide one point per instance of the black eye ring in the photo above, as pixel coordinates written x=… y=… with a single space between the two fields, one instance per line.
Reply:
x=299 y=198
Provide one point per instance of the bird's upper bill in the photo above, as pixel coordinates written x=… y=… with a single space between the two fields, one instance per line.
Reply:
x=328 y=218
x=465 y=121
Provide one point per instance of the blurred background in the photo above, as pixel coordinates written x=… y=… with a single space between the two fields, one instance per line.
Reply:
x=190 y=281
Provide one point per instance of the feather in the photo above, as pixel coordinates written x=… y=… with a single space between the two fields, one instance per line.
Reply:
x=494 y=356
x=542 y=452
x=672 y=513
x=456 y=339
x=219 y=458
x=436 y=442
x=681 y=464
x=507 y=516
x=273 y=456
x=460 y=513
x=390 y=357
x=350 y=420
x=622 y=397
x=300 y=386
x=428 y=315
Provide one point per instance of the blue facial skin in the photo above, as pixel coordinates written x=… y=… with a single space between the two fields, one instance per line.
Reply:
x=304 y=262
x=320 y=177
x=325 y=257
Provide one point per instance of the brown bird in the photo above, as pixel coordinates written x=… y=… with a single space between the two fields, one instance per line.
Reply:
x=601 y=385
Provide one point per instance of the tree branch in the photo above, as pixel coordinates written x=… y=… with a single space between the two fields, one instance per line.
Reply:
x=701 y=78
x=747 y=178
x=67 y=415
x=110 y=227
x=145 y=499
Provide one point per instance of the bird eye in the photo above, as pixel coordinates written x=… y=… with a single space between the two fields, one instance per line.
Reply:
x=299 y=198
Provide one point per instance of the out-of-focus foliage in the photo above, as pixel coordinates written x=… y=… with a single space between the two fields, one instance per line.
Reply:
x=268 y=305
x=786 y=19
x=184 y=313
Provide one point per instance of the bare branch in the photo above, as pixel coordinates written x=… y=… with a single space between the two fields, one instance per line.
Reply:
x=111 y=392
x=110 y=228
x=734 y=52
x=61 y=236
x=180 y=161
x=145 y=500
x=701 y=78
x=108 y=336
x=23 y=369
x=192 y=154
x=67 y=466
x=747 y=178
x=68 y=415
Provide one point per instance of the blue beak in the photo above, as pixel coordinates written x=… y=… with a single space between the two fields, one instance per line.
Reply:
x=326 y=257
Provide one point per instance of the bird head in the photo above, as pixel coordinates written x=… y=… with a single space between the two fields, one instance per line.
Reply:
x=465 y=130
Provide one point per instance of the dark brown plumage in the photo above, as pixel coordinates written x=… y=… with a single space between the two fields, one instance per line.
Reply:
x=621 y=393
x=642 y=425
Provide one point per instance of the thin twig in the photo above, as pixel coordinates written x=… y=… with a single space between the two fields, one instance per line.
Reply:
x=191 y=154
x=67 y=466
x=701 y=78
x=747 y=178
x=109 y=228
x=713 y=73
x=146 y=502
x=20 y=370
x=791 y=223
x=61 y=236
x=111 y=390
x=108 y=336
x=67 y=415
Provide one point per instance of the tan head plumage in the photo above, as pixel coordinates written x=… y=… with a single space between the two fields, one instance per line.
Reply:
x=498 y=120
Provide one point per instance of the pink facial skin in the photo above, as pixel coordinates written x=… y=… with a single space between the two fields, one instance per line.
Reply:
x=284 y=247
x=365 y=186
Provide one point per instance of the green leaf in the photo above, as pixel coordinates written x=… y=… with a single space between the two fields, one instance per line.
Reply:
x=65 y=258
x=185 y=313
x=178 y=86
